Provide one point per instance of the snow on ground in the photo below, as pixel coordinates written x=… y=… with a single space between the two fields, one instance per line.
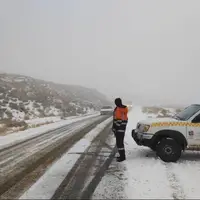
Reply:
x=38 y=121
x=46 y=186
x=143 y=176
x=13 y=138
x=188 y=173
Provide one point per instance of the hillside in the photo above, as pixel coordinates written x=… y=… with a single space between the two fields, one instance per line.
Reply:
x=23 y=97
x=159 y=111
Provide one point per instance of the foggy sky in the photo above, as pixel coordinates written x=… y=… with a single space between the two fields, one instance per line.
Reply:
x=147 y=50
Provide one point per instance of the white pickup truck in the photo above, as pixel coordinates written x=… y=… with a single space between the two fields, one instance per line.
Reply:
x=170 y=136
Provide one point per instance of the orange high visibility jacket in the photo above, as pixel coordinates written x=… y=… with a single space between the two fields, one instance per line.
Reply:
x=121 y=113
x=120 y=119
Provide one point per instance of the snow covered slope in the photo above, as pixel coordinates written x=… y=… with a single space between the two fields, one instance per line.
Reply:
x=23 y=98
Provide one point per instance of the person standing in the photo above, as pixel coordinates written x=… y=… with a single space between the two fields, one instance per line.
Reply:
x=120 y=120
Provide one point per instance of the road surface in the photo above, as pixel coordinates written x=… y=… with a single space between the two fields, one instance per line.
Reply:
x=21 y=165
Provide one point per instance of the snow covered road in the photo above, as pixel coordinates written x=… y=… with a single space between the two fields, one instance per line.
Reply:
x=70 y=173
x=17 y=137
x=143 y=176
x=12 y=156
x=21 y=159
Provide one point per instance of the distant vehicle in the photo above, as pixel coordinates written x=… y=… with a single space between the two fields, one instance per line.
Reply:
x=170 y=136
x=106 y=110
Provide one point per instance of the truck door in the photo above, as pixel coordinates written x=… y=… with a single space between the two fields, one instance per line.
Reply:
x=193 y=132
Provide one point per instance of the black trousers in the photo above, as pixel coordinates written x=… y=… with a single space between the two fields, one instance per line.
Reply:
x=120 y=143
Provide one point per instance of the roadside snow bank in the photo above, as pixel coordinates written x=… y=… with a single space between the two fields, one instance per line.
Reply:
x=38 y=121
x=17 y=137
x=46 y=186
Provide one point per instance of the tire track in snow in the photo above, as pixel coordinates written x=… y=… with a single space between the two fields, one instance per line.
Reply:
x=12 y=156
x=73 y=186
x=177 y=189
x=42 y=158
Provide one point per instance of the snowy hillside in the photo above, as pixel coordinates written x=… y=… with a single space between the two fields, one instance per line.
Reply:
x=158 y=111
x=23 y=98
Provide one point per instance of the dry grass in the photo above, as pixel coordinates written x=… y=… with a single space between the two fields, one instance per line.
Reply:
x=9 y=126
x=3 y=129
x=37 y=125
x=11 y=123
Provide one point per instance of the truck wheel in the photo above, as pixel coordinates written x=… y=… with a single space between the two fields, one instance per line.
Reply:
x=168 y=150
x=153 y=148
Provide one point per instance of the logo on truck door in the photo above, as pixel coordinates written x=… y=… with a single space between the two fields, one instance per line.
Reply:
x=191 y=133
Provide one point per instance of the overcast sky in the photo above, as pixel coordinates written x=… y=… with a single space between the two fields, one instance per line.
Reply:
x=143 y=49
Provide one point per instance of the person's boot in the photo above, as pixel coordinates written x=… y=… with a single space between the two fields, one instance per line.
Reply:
x=118 y=155
x=122 y=156
x=120 y=159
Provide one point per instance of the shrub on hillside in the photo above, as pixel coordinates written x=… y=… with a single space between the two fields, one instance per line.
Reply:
x=26 y=117
x=178 y=110
x=5 y=101
x=13 y=106
x=36 y=105
x=58 y=105
x=164 y=112
x=9 y=123
x=8 y=113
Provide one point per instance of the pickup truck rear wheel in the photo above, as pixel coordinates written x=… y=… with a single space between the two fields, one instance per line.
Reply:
x=153 y=148
x=168 y=150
